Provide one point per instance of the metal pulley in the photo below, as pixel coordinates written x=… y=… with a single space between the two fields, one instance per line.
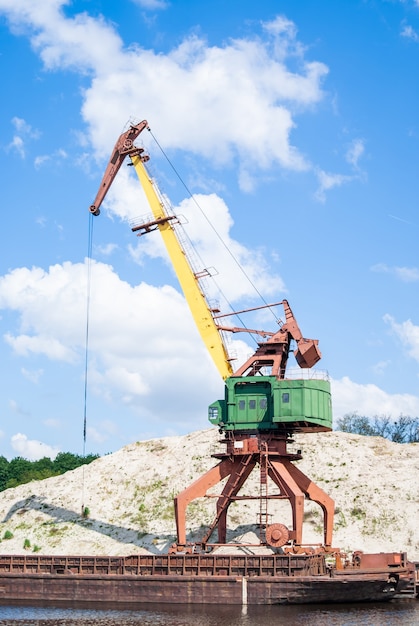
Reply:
x=277 y=535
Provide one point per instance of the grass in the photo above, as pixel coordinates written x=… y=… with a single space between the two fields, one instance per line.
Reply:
x=357 y=513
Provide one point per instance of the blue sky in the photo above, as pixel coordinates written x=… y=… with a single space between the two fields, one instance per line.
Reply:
x=296 y=127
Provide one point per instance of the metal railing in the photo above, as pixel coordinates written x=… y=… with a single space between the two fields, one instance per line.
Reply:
x=165 y=565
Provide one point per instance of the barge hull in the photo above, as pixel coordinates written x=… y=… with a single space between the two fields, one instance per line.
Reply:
x=192 y=590
x=189 y=579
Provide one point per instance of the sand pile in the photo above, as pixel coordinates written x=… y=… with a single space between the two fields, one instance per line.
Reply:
x=129 y=494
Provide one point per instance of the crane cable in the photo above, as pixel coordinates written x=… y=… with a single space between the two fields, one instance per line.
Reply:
x=86 y=346
x=213 y=228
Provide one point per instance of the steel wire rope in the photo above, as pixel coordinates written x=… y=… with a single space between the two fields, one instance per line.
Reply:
x=216 y=233
x=179 y=230
x=183 y=237
x=86 y=346
x=188 y=248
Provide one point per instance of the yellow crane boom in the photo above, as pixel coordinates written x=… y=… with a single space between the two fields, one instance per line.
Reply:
x=166 y=224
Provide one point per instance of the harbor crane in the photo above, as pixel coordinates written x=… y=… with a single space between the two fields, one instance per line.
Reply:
x=262 y=406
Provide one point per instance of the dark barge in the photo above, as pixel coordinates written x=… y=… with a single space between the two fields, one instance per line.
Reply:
x=201 y=578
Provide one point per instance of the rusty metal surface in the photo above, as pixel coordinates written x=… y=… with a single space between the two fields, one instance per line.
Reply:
x=123 y=147
x=166 y=565
x=379 y=560
x=200 y=578
x=274 y=352
x=242 y=455
x=277 y=535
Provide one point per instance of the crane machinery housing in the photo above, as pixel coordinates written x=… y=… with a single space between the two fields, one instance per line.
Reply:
x=262 y=406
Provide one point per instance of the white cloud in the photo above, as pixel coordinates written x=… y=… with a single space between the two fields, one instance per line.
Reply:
x=244 y=114
x=105 y=250
x=143 y=337
x=281 y=25
x=355 y=152
x=24 y=132
x=235 y=268
x=52 y=423
x=104 y=431
x=56 y=157
x=329 y=181
x=223 y=116
x=408 y=334
x=405 y=274
x=96 y=436
x=47 y=302
x=126 y=198
x=409 y=32
x=32 y=449
x=370 y=400
x=213 y=245
x=18 y=146
x=41 y=221
x=16 y=408
x=24 y=345
x=285 y=37
x=23 y=128
x=381 y=366
x=33 y=375
x=65 y=42
x=41 y=160
x=152 y=5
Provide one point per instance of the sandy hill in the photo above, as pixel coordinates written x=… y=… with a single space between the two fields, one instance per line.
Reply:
x=374 y=483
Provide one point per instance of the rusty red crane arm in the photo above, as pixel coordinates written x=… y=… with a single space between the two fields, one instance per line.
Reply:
x=274 y=352
x=307 y=353
x=123 y=147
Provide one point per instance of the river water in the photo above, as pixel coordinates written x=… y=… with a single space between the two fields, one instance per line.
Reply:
x=396 y=613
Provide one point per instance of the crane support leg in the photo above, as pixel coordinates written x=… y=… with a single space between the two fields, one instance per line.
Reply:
x=279 y=473
x=240 y=473
x=317 y=495
x=198 y=489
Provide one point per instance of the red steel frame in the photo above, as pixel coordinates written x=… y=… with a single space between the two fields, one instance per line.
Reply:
x=243 y=454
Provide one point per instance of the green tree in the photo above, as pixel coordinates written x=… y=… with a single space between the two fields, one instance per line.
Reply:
x=4 y=472
x=66 y=461
x=20 y=470
x=357 y=424
x=403 y=430
x=44 y=464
